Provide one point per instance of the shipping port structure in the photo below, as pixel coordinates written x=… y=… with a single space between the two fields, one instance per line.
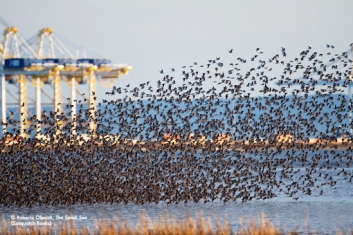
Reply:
x=45 y=60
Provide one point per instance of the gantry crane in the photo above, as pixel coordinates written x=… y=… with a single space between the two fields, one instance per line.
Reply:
x=16 y=53
x=50 y=61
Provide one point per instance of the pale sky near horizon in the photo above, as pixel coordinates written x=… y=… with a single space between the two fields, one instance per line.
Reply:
x=163 y=34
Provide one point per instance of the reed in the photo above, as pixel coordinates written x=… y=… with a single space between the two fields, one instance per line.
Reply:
x=163 y=226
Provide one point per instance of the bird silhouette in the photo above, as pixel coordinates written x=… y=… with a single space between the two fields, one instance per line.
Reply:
x=184 y=140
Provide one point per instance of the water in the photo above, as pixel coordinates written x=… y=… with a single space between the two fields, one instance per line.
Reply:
x=320 y=213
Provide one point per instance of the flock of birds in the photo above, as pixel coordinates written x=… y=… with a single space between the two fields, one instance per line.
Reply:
x=305 y=97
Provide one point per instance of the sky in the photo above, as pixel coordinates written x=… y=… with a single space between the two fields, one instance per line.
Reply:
x=163 y=34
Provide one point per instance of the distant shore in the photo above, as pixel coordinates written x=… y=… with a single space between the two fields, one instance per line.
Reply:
x=313 y=143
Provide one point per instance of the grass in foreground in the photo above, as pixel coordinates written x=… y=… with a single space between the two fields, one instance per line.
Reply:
x=188 y=226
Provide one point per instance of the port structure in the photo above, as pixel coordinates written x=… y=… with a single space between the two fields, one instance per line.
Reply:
x=47 y=62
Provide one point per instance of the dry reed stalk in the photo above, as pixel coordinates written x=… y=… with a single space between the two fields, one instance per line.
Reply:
x=166 y=225
x=253 y=228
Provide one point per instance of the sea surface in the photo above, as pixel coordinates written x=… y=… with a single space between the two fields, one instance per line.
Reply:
x=327 y=213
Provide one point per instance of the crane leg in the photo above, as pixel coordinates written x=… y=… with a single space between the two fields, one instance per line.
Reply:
x=57 y=100
x=38 y=105
x=3 y=103
x=92 y=102
x=73 y=105
x=23 y=105
x=350 y=103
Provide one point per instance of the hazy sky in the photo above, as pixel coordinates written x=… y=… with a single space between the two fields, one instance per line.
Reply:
x=151 y=35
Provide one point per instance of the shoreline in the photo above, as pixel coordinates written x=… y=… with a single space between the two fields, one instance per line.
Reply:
x=242 y=146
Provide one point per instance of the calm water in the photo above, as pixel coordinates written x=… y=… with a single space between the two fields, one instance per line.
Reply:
x=320 y=214
x=325 y=213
